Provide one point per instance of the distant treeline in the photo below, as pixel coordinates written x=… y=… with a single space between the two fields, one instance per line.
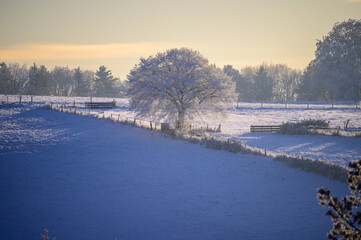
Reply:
x=280 y=83
x=60 y=81
x=334 y=73
x=265 y=82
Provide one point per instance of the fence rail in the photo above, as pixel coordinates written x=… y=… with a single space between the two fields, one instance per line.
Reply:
x=100 y=104
x=255 y=129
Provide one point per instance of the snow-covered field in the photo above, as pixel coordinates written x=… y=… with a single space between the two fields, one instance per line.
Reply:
x=338 y=150
x=85 y=178
x=334 y=149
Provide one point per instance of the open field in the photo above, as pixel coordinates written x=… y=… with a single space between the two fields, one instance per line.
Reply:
x=83 y=178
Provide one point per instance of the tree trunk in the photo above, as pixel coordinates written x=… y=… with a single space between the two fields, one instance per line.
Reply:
x=180 y=122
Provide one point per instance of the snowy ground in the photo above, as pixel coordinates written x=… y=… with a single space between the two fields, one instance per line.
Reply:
x=85 y=178
x=339 y=150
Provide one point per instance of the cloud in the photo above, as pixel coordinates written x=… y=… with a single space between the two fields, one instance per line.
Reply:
x=36 y=52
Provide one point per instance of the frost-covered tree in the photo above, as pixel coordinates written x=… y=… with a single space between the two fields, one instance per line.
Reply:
x=89 y=77
x=243 y=83
x=285 y=82
x=62 y=83
x=20 y=77
x=346 y=212
x=122 y=87
x=104 y=83
x=179 y=85
x=337 y=63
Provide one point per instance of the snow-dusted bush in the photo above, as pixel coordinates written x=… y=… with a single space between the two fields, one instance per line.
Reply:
x=323 y=168
x=306 y=126
x=47 y=107
x=345 y=213
x=45 y=236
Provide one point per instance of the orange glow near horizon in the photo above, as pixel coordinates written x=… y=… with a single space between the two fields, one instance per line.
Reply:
x=41 y=52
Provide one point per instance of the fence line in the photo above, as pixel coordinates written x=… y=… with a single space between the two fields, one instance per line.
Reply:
x=12 y=99
x=75 y=109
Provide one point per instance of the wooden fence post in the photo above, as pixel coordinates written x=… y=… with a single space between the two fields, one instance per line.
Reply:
x=31 y=99
x=20 y=99
x=151 y=127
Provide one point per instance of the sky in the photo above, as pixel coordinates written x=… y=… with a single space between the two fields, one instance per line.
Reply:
x=117 y=33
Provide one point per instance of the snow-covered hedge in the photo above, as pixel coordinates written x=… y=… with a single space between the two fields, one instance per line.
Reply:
x=307 y=126
x=323 y=168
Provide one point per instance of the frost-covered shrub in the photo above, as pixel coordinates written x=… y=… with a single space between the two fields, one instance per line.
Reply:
x=47 y=107
x=45 y=236
x=345 y=213
x=323 y=168
x=306 y=126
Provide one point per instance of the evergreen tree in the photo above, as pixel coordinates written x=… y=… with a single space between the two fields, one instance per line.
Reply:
x=39 y=81
x=345 y=213
x=263 y=85
x=236 y=77
x=104 y=83
x=82 y=86
x=6 y=80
